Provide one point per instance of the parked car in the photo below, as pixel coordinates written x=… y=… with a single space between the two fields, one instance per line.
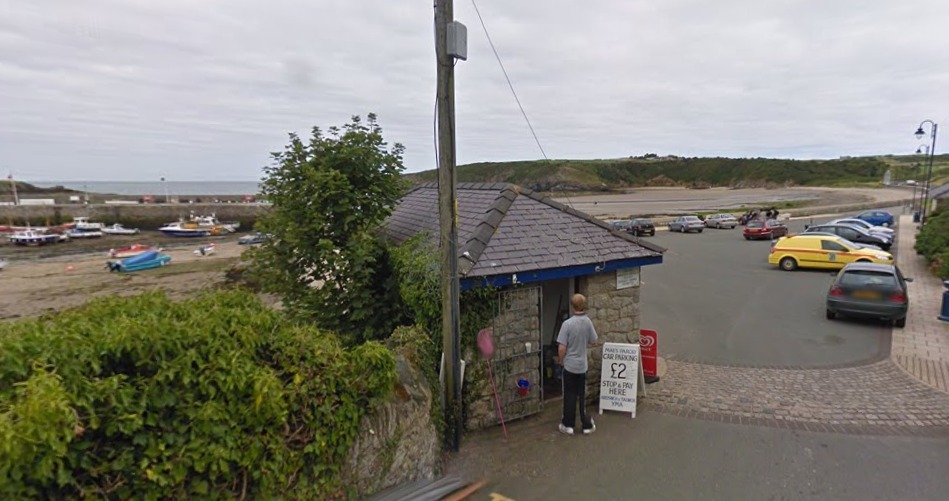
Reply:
x=721 y=221
x=620 y=225
x=768 y=228
x=687 y=223
x=865 y=225
x=641 y=226
x=869 y=290
x=851 y=233
x=876 y=217
x=822 y=251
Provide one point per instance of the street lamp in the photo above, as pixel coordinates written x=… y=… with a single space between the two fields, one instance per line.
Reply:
x=929 y=172
x=166 y=189
x=918 y=183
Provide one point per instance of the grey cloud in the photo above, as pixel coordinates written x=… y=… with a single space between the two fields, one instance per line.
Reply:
x=124 y=89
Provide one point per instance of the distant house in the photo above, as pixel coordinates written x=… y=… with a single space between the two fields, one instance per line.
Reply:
x=537 y=253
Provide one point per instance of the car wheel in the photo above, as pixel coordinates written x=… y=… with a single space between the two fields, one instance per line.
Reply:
x=681 y=229
x=863 y=261
x=700 y=230
x=831 y=315
x=900 y=322
x=747 y=237
x=788 y=264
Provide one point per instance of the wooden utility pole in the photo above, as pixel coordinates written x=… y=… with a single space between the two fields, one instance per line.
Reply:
x=448 y=224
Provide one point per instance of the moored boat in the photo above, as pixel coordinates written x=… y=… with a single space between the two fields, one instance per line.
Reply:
x=131 y=251
x=82 y=223
x=145 y=261
x=179 y=229
x=204 y=250
x=77 y=233
x=33 y=238
x=118 y=229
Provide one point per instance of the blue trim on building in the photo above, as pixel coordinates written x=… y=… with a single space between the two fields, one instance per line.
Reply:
x=533 y=276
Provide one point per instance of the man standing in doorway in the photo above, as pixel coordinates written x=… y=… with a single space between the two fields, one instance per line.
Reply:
x=576 y=334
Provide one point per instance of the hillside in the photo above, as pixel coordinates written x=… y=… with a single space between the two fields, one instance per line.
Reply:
x=599 y=175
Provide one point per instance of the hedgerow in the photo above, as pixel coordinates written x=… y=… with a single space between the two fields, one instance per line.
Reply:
x=933 y=242
x=212 y=397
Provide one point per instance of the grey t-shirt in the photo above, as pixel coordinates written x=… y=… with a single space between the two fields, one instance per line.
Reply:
x=576 y=333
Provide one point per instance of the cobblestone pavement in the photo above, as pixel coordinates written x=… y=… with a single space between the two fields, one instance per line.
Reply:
x=875 y=399
x=922 y=347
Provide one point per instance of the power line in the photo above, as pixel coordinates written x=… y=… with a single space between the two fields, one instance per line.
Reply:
x=509 y=84
x=516 y=99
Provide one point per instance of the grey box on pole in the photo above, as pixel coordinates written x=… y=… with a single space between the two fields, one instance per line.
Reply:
x=458 y=40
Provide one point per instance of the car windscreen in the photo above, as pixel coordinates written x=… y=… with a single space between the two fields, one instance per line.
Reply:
x=755 y=224
x=867 y=278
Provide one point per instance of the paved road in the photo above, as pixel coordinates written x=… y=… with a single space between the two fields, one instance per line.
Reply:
x=716 y=300
x=666 y=457
x=759 y=422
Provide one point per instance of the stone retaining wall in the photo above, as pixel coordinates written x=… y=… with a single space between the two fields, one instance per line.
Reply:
x=144 y=216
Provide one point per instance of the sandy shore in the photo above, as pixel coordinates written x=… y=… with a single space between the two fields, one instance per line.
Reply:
x=32 y=287
x=668 y=201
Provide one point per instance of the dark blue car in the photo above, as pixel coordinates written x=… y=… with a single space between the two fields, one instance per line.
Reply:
x=876 y=217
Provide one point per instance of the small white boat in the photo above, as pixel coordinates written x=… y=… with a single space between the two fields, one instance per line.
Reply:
x=82 y=223
x=3 y=263
x=77 y=233
x=32 y=238
x=118 y=229
x=204 y=250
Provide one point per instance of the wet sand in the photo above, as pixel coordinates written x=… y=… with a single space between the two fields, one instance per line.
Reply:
x=30 y=287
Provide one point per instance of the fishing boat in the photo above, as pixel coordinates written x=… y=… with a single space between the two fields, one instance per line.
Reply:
x=82 y=223
x=204 y=250
x=145 y=261
x=257 y=237
x=33 y=238
x=212 y=222
x=181 y=229
x=118 y=229
x=131 y=251
x=77 y=233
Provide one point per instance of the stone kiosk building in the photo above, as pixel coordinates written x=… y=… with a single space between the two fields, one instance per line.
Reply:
x=537 y=253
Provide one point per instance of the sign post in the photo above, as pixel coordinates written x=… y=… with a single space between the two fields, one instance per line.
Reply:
x=649 y=341
x=619 y=377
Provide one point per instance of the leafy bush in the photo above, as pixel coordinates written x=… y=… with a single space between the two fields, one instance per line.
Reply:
x=933 y=241
x=213 y=397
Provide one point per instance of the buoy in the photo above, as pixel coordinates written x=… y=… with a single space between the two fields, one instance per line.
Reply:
x=69 y=268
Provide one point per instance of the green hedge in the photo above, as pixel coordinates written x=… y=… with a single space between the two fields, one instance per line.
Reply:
x=212 y=397
x=933 y=242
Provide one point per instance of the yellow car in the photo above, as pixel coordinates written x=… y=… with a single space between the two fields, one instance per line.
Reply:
x=822 y=251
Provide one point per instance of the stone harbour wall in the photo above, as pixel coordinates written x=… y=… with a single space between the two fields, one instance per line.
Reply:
x=615 y=315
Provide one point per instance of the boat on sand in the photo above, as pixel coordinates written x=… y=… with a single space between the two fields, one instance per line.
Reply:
x=131 y=251
x=145 y=261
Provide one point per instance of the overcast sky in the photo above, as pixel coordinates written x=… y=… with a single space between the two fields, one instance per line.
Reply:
x=205 y=89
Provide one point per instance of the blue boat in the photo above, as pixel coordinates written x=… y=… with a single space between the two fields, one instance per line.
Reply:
x=143 y=261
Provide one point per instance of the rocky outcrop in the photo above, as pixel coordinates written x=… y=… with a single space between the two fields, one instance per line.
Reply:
x=397 y=440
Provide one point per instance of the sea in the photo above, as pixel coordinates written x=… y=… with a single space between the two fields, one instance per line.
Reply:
x=158 y=188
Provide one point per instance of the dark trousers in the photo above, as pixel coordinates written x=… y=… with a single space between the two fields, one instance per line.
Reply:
x=575 y=388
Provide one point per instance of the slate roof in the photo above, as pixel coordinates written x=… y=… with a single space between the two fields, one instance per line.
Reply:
x=939 y=192
x=503 y=228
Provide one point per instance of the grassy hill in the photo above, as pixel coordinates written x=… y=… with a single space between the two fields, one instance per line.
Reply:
x=596 y=175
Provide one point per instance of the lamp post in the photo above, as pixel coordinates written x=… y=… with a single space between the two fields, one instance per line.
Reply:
x=919 y=183
x=165 y=186
x=929 y=172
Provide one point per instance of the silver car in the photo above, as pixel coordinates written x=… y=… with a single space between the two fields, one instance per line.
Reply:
x=721 y=221
x=687 y=223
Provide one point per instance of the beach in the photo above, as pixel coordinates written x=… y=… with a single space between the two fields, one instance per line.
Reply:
x=35 y=286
